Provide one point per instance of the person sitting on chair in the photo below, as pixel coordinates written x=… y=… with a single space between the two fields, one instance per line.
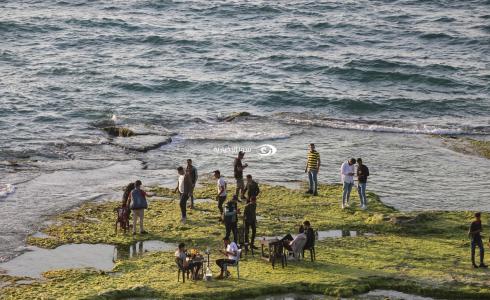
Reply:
x=310 y=235
x=296 y=244
x=231 y=251
x=184 y=264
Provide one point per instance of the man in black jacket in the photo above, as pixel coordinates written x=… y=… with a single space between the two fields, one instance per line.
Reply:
x=193 y=173
x=251 y=189
x=250 y=218
x=362 y=175
x=476 y=240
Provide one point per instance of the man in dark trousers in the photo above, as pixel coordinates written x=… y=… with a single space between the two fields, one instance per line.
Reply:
x=362 y=175
x=193 y=173
x=251 y=189
x=250 y=218
x=238 y=168
x=476 y=240
x=230 y=217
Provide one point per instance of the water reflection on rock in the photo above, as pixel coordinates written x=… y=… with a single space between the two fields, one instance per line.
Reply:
x=139 y=248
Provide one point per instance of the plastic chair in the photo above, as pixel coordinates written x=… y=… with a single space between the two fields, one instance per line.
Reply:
x=311 y=248
x=236 y=264
x=181 y=269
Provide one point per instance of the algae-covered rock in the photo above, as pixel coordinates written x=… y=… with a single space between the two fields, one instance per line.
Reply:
x=141 y=143
x=233 y=116
x=411 y=219
x=467 y=145
x=119 y=131
x=418 y=253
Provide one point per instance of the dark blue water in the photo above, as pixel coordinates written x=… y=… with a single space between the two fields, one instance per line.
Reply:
x=359 y=78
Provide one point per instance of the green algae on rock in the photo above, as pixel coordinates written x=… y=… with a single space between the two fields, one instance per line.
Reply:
x=119 y=131
x=467 y=145
x=426 y=256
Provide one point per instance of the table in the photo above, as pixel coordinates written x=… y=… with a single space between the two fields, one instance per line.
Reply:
x=275 y=251
x=203 y=261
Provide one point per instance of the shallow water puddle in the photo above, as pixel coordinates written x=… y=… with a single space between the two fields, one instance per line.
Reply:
x=204 y=200
x=291 y=297
x=324 y=234
x=139 y=248
x=41 y=235
x=372 y=295
x=74 y=256
x=392 y=295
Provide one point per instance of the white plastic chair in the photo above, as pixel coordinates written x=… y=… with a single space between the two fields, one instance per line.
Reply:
x=236 y=264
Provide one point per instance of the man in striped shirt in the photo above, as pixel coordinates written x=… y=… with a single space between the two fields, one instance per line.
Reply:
x=312 y=168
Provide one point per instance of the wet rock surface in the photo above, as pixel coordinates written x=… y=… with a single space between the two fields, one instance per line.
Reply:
x=141 y=143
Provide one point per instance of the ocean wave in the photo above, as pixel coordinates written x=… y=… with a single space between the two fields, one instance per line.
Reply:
x=180 y=85
x=169 y=40
x=32 y=28
x=363 y=75
x=388 y=126
x=436 y=35
x=391 y=64
x=256 y=129
x=163 y=85
x=244 y=10
x=102 y=23
x=375 y=105
x=445 y=20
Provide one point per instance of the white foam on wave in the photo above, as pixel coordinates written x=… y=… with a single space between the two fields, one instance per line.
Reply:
x=386 y=126
x=7 y=190
x=240 y=132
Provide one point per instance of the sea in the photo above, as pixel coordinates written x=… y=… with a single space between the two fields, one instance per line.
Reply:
x=379 y=79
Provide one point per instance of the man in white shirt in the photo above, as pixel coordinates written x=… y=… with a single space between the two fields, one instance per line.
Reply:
x=231 y=251
x=221 y=196
x=347 y=171
x=184 y=186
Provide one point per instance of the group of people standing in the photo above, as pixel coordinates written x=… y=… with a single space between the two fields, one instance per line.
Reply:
x=248 y=192
x=134 y=199
x=347 y=172
x=229 y=213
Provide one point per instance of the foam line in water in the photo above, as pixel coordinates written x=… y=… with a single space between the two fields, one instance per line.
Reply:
x=6 y=190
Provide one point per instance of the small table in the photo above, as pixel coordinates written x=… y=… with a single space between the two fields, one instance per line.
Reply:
x=203 y=261
x=275 y=250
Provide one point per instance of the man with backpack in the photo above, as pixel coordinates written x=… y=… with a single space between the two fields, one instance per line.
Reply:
x=138 y=206
x=231 y=219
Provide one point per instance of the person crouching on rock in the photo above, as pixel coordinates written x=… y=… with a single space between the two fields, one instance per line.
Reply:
x=138 y=206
